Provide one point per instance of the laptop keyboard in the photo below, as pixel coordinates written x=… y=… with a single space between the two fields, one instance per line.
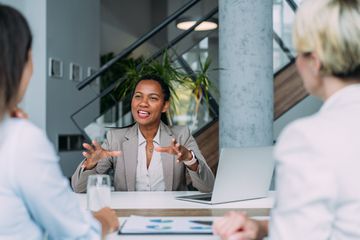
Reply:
x=202 y=197
x=205 y=198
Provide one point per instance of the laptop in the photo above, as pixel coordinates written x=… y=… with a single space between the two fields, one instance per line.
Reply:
x=243 y=173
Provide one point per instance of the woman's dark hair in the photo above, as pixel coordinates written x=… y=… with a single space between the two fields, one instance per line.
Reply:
x=15 y=43
x=164 y=86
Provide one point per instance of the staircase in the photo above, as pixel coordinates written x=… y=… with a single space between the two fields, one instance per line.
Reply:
x=287 y=86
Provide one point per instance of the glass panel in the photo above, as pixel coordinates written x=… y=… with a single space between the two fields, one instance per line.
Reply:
x=188 y=113
x=283 y=18
x=102 y=113
x=95 y=124
x=206 y=47
x=279 y=58
x=204 y=44
x=110 y=111
x=298 y=2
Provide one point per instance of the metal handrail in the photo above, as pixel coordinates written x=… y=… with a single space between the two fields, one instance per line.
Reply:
x=136 y=44
x=154 y=56
x=282 y=45
x=214 y=106
x=185 y=33
x=292 y=5
x=277 y=38
x=158 y=28
x=151 y=33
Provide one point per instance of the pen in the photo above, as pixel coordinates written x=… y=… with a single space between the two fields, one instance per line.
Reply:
x=208 y=223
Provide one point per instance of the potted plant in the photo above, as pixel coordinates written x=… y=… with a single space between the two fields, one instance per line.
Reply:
x=130 y=71
x=201 y=85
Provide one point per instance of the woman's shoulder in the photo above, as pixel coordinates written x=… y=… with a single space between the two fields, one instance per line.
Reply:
x=317 y=127
x=23 y=127
x=313 y=132
x=28 y=137
x=122 y=132
x=179 y=128
x=306 y=125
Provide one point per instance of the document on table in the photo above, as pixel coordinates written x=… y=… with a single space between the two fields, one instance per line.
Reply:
x=166 y=225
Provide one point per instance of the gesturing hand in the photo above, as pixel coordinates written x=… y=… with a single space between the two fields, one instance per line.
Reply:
x=95 y=153
x=182 y=153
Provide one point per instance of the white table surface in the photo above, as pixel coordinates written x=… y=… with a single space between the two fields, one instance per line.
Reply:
x=166 y=200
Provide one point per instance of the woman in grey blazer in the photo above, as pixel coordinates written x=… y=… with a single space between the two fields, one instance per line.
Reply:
x=148 y=156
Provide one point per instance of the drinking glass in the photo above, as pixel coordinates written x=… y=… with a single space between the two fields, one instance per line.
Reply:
x=98 y=192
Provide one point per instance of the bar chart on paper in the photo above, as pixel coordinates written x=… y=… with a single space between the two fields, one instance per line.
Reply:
x=166 y=225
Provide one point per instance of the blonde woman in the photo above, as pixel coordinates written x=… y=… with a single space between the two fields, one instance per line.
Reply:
x=318 y=157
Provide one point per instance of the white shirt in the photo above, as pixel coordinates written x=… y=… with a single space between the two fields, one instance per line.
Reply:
x=152 y=178
x=318 y=173
x=35 y=197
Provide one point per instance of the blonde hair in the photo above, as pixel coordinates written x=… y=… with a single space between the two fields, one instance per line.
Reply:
x=330 y=29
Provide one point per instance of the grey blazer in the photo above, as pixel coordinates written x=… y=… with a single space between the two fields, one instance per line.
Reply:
x=124 y=167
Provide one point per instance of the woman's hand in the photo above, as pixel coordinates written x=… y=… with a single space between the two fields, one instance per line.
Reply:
x=107 y=218
x=95 y=153
x=238 y=226
x=182 y=153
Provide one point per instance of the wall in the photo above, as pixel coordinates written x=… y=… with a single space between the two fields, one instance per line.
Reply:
x=73 y=35
x=34 y=102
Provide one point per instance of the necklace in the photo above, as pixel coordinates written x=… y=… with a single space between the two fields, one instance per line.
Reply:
x=150 y=146
x=151 y=149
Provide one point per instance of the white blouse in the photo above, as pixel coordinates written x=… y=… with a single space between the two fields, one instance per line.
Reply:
x=152 y=178
x=318 y=162
x=36 y=199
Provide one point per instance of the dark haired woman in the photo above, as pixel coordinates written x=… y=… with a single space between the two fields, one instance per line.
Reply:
x=32 y=187
x=135 y=153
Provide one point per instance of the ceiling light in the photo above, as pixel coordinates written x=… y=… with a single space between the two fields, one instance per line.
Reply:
x=186 y=23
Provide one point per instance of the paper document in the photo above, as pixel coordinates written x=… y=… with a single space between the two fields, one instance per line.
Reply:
x=166 y=225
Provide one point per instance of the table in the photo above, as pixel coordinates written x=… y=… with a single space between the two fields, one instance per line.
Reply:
x=165 y=204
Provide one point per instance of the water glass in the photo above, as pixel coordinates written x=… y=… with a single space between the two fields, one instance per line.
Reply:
x=98 y=192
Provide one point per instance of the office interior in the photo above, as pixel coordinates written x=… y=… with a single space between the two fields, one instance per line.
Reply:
x=70 y=37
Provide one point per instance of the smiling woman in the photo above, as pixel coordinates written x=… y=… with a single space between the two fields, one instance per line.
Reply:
x=129 y=152
x=149 y=101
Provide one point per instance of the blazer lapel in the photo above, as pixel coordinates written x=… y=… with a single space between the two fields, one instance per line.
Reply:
x=130 y=151
x=167 y=160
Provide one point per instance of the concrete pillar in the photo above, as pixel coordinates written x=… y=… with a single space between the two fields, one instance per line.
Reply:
x=246 y=78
